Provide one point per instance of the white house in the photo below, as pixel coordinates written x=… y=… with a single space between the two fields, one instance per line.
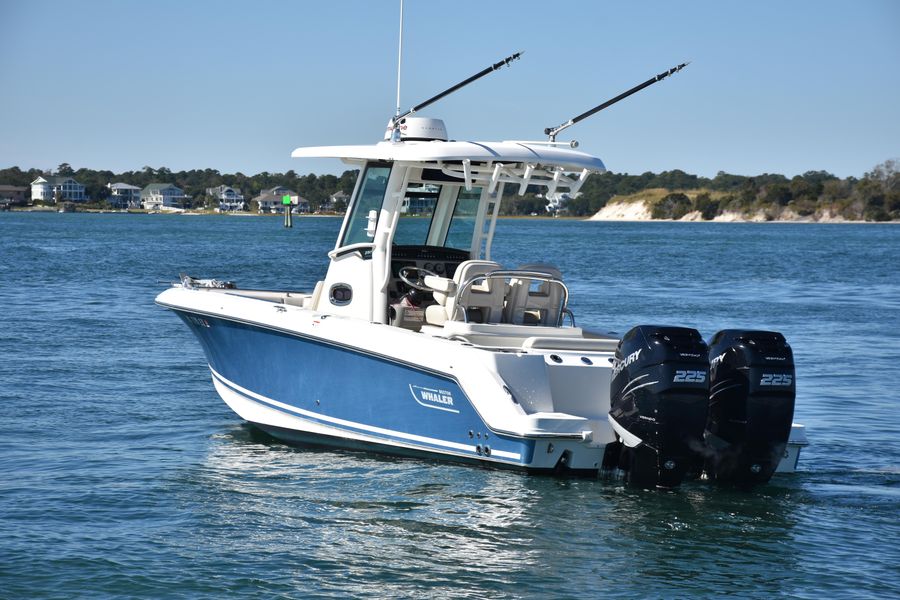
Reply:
x=163 y=196
x=339 y=198
x=335 y=203
x=229 y=198
x=271 y=200
x=47 y=188
x=122 y=195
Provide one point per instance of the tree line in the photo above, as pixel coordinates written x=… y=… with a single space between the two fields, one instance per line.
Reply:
x=874 y=197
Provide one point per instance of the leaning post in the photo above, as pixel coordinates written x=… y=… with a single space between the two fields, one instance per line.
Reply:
x=286 y=203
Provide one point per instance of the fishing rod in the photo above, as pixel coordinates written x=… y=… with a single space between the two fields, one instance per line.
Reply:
x=554 y=131
x=506 y=61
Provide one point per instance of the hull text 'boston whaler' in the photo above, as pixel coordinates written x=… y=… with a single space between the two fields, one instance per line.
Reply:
x=416 y=343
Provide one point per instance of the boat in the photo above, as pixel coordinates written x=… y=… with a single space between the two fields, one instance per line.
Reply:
x=417 y=343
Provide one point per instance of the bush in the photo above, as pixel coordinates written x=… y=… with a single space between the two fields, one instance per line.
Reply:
x=876 y=213
x=706 y=206
x=672 y=206
x=804 y=206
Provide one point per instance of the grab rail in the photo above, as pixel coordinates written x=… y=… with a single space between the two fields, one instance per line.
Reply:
x=513 y=274
x=358 y=247
x=556 y=343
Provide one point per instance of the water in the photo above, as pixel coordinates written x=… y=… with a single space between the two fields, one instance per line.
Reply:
x=124 y=474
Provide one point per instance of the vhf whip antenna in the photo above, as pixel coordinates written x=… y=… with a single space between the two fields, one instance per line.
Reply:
x=399 y=57
x=395 y=124
x=554 y=131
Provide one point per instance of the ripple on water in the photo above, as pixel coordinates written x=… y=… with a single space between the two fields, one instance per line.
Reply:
x=126 y=476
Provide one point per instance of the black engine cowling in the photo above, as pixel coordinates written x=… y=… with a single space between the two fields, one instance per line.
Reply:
x=659 y=396
x=752 y=391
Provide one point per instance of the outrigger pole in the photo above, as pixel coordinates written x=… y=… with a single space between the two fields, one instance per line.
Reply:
x=554 y=131
x=452 y=89
x=462 y=84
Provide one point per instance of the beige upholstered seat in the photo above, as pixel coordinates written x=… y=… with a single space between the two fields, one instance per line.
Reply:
x=480 y=302
x=533 y=301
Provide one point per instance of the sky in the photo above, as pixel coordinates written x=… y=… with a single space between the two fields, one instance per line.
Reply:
x=772 y=87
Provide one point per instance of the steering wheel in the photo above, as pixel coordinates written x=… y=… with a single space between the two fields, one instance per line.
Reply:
x=419 y=282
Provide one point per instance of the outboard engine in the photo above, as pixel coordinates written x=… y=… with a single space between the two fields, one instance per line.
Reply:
x=659 y=397
x=751 y=405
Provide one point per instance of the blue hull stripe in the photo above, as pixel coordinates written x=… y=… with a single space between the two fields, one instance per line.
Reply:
x=289 y=372
x=302 y=336
x=360 y=427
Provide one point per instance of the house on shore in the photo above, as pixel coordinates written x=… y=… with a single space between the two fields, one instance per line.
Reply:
x=271 y=200
x=52 y=188
x=163 y=196
x=230 y=199
x=123 y=195
x=11 y=195
x=339 y=199
x=337 y=202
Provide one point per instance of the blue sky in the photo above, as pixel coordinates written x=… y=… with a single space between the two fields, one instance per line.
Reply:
x=773 y=86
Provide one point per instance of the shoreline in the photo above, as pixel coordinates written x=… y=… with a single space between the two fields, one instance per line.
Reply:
x=639 y=212
x=744 y=221
x=635 y=215
x=141 y=211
